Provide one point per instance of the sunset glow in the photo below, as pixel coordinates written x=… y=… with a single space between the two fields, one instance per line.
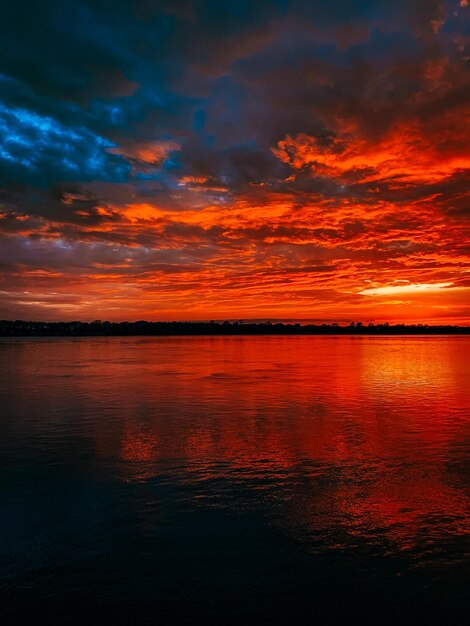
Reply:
x=405 y=288
x=269 y=161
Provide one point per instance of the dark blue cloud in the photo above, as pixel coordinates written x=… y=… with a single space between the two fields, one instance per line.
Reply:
x=225 y=80
x=37 y=149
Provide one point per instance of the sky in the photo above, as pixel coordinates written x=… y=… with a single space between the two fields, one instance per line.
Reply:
x=207 y=159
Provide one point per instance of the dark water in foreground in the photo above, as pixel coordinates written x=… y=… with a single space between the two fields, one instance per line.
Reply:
x=234 y=480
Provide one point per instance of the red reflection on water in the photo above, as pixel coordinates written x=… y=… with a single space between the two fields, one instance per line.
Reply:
x=368 y=434
x=363 y=432
x=139 y=446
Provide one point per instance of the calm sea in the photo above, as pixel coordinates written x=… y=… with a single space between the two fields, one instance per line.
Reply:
x=234 y=480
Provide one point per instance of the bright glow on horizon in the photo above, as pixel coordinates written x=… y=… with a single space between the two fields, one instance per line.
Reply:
x=392 y=290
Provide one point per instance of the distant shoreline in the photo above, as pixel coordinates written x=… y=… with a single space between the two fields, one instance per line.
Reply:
x=21 y=328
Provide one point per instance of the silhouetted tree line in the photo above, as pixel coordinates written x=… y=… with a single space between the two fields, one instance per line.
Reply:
x=19 y=328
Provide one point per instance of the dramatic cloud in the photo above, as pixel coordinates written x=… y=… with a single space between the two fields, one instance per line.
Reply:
x=203 y=159
x=38 y=149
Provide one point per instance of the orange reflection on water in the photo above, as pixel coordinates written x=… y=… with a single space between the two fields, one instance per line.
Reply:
x=366 y=434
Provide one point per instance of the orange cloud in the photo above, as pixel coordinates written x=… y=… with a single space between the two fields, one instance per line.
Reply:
x=151 y=152
x=405 y=157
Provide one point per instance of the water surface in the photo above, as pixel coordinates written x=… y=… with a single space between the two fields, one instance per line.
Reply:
x=234 y=480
